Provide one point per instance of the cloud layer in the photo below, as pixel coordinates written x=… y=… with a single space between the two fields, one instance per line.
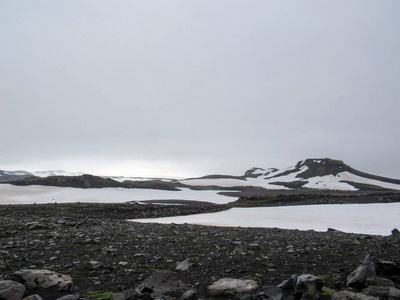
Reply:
x=197 y=87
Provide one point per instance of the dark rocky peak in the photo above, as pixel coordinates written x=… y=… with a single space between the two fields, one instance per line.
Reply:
x=254 y=172
x=317 y=167
x=327 y=166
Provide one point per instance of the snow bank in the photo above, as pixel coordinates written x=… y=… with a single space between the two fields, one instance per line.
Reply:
x=377 y=219
x=10 y=194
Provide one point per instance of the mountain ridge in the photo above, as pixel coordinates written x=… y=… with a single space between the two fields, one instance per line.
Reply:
x=311 y=173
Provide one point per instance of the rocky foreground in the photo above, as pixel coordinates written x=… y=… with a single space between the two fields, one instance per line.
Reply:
x=92 y=252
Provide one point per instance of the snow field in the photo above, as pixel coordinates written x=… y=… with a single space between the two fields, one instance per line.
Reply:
x=376 y=219
x=10 y=194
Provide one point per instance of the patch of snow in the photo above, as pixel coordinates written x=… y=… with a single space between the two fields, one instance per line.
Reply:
x=377 y=219
x=122 y=178
x=329 y=182
x=56 y=173
x=355 y=178
x=11 y=194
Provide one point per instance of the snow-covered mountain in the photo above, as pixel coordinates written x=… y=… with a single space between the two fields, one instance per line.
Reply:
x=323 y=173
x=6 y=176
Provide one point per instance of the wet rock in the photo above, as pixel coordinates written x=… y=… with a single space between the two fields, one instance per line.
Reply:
x=358 y=277
x=11 y=290
x=45 y=279
x=349 y=295
x=231 y=286
x=184 y=265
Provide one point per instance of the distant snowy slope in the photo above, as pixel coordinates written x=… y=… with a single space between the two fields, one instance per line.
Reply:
x=319 y=173
x=311 y=173
x=6 y=176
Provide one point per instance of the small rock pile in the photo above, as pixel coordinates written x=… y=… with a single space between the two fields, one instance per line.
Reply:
x=370 y=281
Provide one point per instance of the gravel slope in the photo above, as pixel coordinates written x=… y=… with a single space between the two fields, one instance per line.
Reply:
x=102 y=252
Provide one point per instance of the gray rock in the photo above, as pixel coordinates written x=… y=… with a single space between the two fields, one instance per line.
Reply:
x=253 y=246
x=289 y=285
x=11 y=290
x=162 y=283
x=377 y=291
x=189 y=295
x=379 y=281
x=184 y=265
x=387 y=268
x=394 y=294
x=231 y=286
x=275 y=293
x=33 y=297
x=70 y=297
x=45 y=279
x=309 y=285
x=395 y=232
x=349 y=295
x=358 y=277
x=128 y=294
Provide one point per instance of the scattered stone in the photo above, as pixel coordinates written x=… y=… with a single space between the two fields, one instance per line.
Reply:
x=184 y=265
x=309 y=285
x=396 y=232
x=33 y=297
x=11 y=290
x=45 y=279
x=253 y=247
x=275 y=293
x=377 y=291
x=231 y=286
x=189 y=295
x=394 y=294
x=387 y=268
x=128 y=294
x=162 y=283
x=379 y=281
x=349 y=295
x=70 y=297
x=358 y=277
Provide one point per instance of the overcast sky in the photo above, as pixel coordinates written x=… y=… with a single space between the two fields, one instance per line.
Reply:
x=187 y=88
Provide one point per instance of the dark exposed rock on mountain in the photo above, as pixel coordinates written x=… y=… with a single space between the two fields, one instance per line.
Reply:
x=87 y=181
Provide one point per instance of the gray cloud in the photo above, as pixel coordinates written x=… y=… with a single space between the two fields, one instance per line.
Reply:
x=198 y=87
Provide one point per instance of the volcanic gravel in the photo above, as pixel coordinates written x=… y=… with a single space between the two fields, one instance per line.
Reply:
x=102 y=251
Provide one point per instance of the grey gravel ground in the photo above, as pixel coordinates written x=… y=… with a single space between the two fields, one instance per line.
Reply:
x=103 y=252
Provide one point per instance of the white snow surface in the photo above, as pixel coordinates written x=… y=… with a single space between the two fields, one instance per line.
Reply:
x=375 y=219
x=329 y=182
x=11 y=194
